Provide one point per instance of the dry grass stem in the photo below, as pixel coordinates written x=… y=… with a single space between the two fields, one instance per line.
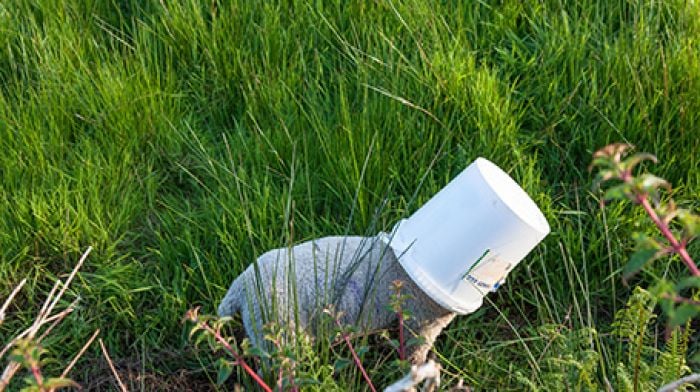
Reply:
x=7 y=374
x=57 y=318
x=80 y=354
x=10 y=298
x=111 y=366
x=44 y=317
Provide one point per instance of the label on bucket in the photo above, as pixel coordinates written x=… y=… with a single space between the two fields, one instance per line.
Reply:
x=488 y=271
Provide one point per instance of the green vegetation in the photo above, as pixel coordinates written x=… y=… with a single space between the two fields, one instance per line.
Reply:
x=182 y=139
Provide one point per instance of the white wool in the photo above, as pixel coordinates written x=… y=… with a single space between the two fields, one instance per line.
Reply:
x=354 y=274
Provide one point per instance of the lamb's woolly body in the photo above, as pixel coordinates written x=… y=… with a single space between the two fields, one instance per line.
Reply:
x=353 y=273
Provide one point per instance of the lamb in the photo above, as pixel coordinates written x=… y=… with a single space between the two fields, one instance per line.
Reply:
x=457 y=247
x=352 y=273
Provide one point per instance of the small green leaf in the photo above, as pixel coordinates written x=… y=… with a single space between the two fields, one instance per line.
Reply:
x=394 y=343
x=225 y=370
x=682 y=313
x=635 y=159
x=200 y=338
x=645 y=242
x=663 y=291
x=340 y=364
x=601 y=162
x=60 y=383
x=417 y=341
x=618 y=192
x=690 y=281
x=661 y=288
x=637 y=261
x=690 y=221
x=603 y=176
x=16 y=356
x=194 y=330
x=649 y=183
x=35 y=353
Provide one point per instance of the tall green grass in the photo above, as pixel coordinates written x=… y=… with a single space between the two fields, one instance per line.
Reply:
x=183 y=138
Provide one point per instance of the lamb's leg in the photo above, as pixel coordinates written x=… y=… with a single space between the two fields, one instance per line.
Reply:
x=429 y=330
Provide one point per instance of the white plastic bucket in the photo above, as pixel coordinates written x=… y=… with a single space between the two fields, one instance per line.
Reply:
x=464 y=241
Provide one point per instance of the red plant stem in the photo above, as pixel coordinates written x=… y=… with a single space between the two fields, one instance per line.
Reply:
x=238 y=357
x=402 y=345
x=355 y=358
x=36 y=372
x=666 y=231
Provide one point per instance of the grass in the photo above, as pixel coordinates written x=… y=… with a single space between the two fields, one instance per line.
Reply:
x=182 y=139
